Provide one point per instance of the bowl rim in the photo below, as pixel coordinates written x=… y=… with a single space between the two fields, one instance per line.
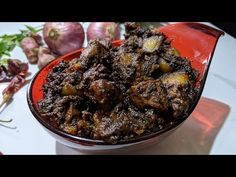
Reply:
x=89 y=141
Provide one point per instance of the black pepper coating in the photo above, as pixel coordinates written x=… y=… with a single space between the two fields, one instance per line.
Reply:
x=117 y=93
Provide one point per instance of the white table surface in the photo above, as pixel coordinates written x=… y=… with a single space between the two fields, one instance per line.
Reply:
x=31 y=138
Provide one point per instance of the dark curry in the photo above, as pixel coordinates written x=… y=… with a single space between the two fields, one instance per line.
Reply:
x=118 y=93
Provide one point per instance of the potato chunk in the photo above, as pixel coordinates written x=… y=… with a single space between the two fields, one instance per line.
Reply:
x=69 y=89
x=152 y=44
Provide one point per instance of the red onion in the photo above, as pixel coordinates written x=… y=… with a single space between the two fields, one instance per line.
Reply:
x=36 y=37
x=63 y=37
x=30 y=48
x=45 y=56
x=101 y=30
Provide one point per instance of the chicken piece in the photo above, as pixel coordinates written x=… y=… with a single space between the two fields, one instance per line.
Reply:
x=69 y=85
x=134 y=37
x=135 y=29
x=92 y=74
x=124 y=66
x=150 y=67
x=96 y=48
x=133 y=67
x=146 y=119
x=110 y=130
x=149 y=94
x=118 y=124
x=131 y=26
x=57 y=107
x=84 y=128
x=96 y=52
x=178 y=88
x=132 y=43
x=104 y=92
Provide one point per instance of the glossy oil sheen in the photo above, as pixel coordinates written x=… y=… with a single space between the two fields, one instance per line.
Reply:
x=195 y=41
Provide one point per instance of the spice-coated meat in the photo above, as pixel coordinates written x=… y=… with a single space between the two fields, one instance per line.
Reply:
x=117 y=93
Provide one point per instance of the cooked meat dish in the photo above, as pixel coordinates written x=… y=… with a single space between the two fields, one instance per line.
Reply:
x=118 y=93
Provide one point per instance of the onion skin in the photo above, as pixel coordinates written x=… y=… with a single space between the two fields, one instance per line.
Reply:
x=101 y=30
x=37 y=38
x=44 y=57
x=30 y=48
x=63 y=37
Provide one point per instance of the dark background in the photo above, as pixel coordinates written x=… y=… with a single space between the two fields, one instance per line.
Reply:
x=228 y=27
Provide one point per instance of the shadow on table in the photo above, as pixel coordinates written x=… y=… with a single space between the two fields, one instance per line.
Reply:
x=195 y=136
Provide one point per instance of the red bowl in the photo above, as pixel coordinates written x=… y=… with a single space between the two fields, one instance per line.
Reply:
x=195 y=41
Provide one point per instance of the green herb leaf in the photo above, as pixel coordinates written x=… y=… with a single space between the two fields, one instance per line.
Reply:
x=3 y=61
x=9 y=42
x=30 y=28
